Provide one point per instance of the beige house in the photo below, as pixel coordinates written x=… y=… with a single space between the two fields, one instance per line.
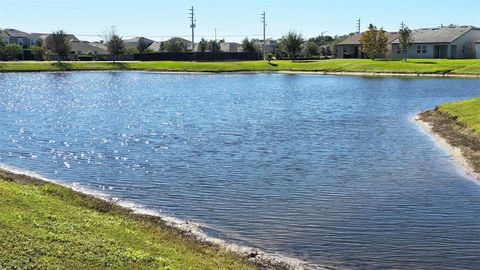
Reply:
x=352 y=48
x=453 y=42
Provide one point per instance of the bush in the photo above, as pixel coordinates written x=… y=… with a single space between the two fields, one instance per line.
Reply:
x=13 y=51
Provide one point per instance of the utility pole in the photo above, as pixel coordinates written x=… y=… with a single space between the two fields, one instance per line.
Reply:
x=358 y=26
x=264 y=22
x=192 y=25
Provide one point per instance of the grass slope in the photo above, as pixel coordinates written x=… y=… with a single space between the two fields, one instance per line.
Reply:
x=464 y=66
x=47 y=226
x=467 y=112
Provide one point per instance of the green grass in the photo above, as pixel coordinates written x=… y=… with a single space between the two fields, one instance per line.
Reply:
x=467 y=112
x=51 y=227
x=464 y=66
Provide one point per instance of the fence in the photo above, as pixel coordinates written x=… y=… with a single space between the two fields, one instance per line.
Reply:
x=199 y=56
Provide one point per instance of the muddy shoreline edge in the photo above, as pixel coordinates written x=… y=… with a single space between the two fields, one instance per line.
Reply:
x=181 y=228
x=462 y=144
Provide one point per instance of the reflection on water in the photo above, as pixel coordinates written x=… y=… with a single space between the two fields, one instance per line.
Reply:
x=329 y=169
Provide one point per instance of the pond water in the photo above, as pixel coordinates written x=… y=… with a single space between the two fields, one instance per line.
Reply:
x=327 y=169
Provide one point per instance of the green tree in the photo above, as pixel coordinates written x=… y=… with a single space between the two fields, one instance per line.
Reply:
x=311 y=49
x=58 y=43
x=322 y=40
x=202 y=45
x=2 y=49
x=176 y=45
x=213 y=46
x=142 y=45
x=130 y=51
x=12 y=51
x=291 y=44
x=249 y=46
x=38 y=52
x=405 y=41
x=374 y=42
x=269 y=57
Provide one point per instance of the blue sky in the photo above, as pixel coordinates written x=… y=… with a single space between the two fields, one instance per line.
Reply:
x=233 y=20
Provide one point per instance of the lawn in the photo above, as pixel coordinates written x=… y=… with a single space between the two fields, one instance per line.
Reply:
x=467 y=112
x=464 y=66
x=47 y=226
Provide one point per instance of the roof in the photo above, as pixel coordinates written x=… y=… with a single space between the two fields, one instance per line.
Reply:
x=14 y=33
x=445 y=34
x=136 y=39
x=355 y=39
x=85 y=47
x=155 y=46
x=71 y=37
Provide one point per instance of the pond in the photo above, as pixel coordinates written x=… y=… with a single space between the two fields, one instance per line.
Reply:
x=323 y=168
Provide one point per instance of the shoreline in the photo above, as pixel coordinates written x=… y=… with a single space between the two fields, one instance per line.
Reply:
x=246 y=71
x=454 y=137
x=187 y=229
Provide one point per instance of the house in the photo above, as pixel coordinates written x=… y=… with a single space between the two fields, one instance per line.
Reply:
x=351 y=47
x=477 y=49
x=25 y=40
x=85 y=48
x=229 y=47
x=43 y=36
x=155 y=46
x=133 y=42
x=270 y=45
x=454 y=42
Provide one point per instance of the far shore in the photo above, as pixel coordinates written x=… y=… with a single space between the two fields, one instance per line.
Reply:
x=443 y=68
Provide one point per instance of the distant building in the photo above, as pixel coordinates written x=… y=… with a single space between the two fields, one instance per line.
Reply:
x=85 y=48
x=229 y=47
x=352 y=48
x=43 y=36
x=25 y=40
x=477 y=49
x=454 y=42
x=270 y=45
x=133 y=42
x=155 y=46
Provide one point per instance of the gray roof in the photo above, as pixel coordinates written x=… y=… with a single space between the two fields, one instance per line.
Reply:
x=136 y=39
x=355 y=39
x=85 y=47
x=155 y=46
x=71 y=37
x=14 y=33
x=445 y=34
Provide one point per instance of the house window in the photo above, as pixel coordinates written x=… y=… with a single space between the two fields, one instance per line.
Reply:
x=419 y=49
x=424 y=49
x=32 y=42
x=463 y=49
x=20 y=42
x=344 y=50
x=400 y=51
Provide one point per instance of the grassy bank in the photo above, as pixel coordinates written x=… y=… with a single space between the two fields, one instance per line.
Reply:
x=458 y=123
x=466 y=112
x=426 y=66
x=47 y=226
